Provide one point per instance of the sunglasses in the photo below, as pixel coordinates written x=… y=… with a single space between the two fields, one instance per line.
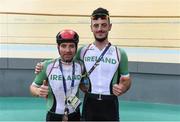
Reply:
x=99 y=15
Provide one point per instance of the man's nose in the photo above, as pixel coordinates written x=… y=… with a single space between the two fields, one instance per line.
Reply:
x=68 y=49
x=99 y=27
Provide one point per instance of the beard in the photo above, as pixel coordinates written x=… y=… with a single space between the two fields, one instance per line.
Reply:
x=66 y=59
x=101 y=39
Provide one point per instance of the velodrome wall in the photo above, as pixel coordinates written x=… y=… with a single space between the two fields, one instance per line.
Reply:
x=147 y=30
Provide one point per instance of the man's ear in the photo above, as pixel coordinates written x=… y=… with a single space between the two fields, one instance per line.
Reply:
x=110 y=26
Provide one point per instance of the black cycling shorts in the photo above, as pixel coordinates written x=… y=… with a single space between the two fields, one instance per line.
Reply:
x=58 y=117
x=106 y=109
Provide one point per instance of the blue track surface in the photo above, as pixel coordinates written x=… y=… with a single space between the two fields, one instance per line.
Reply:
x=33 y=109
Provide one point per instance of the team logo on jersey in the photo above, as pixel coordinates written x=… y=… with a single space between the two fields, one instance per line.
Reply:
x=104 y=59
x=69 y=77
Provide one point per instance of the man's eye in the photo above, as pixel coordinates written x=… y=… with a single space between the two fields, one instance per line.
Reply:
x=72 y=46
x=104 y=25
x=96 y=25
x=63 y=46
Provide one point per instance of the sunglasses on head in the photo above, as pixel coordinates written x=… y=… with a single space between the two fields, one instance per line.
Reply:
x=99 y=15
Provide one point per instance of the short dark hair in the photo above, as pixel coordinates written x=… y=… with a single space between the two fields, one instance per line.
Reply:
x=100 y=10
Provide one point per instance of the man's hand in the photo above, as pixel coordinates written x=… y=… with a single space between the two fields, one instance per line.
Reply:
x=118 y=89
x=43 y=90
x=38 y=68
x=122 y=87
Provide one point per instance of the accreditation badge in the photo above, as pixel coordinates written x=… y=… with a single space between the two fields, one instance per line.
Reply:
x=73 y=101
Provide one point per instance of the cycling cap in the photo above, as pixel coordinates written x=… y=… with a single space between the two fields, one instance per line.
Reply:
x=67 y=35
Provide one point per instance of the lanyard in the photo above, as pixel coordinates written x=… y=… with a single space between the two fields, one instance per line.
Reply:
x=64 y=80
x=99 y=59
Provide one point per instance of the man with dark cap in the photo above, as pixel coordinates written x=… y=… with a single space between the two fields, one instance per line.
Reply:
x=107 y=71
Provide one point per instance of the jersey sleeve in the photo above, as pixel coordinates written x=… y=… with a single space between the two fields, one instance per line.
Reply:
x=81 y=52
x=123 y=65
x=38 y=80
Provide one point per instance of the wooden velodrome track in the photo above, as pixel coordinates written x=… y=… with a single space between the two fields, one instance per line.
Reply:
x=148 y=30
x=144 y=39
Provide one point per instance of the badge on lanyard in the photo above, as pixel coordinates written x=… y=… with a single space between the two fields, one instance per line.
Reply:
x=73 y=101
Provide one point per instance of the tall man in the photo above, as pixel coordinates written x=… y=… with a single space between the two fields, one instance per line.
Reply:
x=107 y=70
